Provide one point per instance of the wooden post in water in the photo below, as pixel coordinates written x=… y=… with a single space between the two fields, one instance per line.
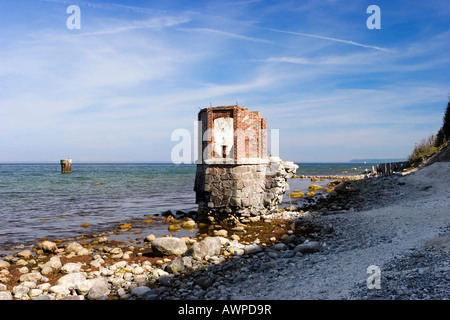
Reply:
x=66 y=165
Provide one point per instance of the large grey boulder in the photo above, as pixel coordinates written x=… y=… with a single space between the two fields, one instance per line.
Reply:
x=76 y=248
x=99 y=289
x=71 y=267
x=71 y=280
x=252 y=248
x=139 y=292
x=308 y=247
x=47 y=246
x=53 y=265
x=73 y=247
x=168 y=246
x=32 y=276
x=176 y=265
x=209 y=246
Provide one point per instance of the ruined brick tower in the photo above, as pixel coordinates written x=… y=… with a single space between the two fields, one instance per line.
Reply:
x=234 y=174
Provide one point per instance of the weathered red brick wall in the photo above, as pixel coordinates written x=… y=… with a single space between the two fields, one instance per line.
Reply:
x=250 y=136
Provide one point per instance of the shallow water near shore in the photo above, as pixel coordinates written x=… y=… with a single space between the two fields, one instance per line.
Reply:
x=37 y=201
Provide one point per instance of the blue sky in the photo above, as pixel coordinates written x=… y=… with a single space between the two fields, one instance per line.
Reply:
x=135 y=71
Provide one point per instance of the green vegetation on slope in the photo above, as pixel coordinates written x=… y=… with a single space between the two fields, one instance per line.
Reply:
x=433 y=144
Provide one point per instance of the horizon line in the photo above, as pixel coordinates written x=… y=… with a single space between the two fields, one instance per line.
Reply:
x=354 y=161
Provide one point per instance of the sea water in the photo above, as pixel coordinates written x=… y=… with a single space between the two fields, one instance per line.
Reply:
x=38 y=201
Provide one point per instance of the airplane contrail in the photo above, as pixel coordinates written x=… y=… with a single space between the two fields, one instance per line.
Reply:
x=325 y=38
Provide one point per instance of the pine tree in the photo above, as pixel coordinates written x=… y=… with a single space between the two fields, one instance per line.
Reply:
x=443 y=135
x=446 y=124
x=439 y=138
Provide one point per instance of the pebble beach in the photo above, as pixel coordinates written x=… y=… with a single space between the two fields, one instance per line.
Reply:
x=315 y=250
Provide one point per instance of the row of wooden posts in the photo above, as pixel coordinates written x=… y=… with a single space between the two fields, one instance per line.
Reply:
x=389 y=168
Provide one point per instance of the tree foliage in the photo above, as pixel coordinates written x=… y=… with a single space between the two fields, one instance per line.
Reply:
x=443 y=135
x=423 y=150
x=434 y=143
x=446 y=124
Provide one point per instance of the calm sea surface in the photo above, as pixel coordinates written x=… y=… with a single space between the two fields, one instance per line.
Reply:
x=37 y=201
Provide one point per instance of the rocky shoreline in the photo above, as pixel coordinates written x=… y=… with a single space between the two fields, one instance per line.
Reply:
x=306 y=252
x=104 y=270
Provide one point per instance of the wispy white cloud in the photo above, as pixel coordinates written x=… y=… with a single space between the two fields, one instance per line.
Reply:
x=112 y=26
x=344 y=59
x=245 y=2
x=151 y=23
x=133 y=74
x=109 y=6
x=226 y=34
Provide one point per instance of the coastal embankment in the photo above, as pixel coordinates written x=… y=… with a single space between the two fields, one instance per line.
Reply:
x=320 y=250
